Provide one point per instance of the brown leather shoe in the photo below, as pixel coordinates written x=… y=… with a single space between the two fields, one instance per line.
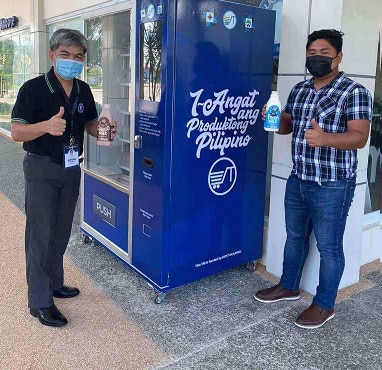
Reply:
x=314 y=317
x=277 y=293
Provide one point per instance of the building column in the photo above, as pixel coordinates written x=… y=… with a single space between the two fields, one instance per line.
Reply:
x=38 y=35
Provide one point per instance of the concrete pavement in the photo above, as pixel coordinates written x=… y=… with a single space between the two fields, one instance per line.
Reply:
x=212 y=324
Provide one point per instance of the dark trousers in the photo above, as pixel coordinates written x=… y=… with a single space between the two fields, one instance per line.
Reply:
x=51 y=194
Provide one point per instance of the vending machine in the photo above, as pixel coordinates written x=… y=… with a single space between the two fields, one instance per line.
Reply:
x=193 y=204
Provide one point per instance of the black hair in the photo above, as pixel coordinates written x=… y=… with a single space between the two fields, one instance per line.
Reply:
x=333 y=37
x=68 y=37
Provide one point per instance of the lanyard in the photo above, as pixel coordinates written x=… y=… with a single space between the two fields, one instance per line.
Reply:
x=73 y=109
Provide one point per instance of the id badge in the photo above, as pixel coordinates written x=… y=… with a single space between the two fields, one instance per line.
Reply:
x=71 y=159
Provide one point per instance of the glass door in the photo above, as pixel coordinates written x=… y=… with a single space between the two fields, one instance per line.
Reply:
x=108 y=73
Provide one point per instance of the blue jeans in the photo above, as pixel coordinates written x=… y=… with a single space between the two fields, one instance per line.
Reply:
x=323 y=208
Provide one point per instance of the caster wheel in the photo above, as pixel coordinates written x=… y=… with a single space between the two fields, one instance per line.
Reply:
x=159 y=297
x=251 y=266
x=86 y=239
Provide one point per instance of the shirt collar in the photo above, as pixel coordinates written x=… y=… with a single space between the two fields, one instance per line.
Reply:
x=53 y=83
x=331 y=84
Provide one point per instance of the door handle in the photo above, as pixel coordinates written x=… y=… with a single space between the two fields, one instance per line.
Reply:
x=138 y=141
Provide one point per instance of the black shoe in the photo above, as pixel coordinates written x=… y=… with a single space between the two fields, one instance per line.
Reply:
x=49 y=316
x=66 y=292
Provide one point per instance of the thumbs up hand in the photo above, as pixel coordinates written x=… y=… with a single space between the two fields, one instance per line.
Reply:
x=60 y=112
x=315 y=136
x=56 y=124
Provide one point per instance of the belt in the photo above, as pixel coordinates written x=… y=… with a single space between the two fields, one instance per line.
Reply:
x=44 y=158
x=48 y=159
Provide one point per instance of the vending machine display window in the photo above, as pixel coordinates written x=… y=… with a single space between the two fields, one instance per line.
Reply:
x=108 y=72
x=151 y=61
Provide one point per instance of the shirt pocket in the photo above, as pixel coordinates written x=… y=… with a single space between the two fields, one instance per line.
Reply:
x=328 y=115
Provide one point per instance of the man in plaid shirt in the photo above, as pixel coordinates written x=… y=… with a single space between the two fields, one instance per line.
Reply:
x=329 y=117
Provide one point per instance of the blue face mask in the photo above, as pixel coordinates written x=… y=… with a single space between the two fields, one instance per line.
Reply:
x=68 y=68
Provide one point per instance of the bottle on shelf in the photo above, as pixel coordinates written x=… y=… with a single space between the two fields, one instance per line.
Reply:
x=273 y=113
x=104 y=135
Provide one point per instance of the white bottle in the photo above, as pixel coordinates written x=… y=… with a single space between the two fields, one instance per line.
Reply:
x=273 y=113
x=104 y=135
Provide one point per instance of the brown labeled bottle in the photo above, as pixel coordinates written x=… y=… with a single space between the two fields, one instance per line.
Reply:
x=104 y=135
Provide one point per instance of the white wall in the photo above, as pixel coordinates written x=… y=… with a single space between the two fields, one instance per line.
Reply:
x=367 y=18
x=54 y=11
x=59 y=8
x=361 y=26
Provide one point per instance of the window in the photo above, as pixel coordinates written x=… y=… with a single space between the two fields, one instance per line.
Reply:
x=108 y=72
x=15 y=69
x=93 y=70
x=151 y=61
x=374 y=171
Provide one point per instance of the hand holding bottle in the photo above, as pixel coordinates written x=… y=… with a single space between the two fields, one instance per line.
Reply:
x=273 y=113
x=264 y=112
x=105 y=126
x=114 y=131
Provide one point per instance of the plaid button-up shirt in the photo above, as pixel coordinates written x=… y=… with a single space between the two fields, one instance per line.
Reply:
x=332 y=106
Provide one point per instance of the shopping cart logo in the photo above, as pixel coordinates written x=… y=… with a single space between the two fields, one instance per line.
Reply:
x=150 y=11
x=229 y=20
x=222 y=176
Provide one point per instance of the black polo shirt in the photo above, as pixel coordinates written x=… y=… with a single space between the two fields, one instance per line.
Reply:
x=40 y=98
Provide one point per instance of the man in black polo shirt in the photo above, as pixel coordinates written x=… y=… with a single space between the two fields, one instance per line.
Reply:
x=49 y=117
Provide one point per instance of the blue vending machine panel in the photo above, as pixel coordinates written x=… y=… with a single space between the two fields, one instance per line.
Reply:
x=199 y=179
x=106 y=210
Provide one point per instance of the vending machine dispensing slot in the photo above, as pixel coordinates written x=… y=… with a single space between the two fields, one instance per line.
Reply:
x=148 y=162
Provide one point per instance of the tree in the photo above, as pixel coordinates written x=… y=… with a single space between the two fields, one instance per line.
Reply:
x=152 y=57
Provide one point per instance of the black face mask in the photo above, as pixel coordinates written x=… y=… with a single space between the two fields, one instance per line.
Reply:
x=319 y=65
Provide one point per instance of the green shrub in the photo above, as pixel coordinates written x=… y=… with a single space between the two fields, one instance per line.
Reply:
x=5 y=108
